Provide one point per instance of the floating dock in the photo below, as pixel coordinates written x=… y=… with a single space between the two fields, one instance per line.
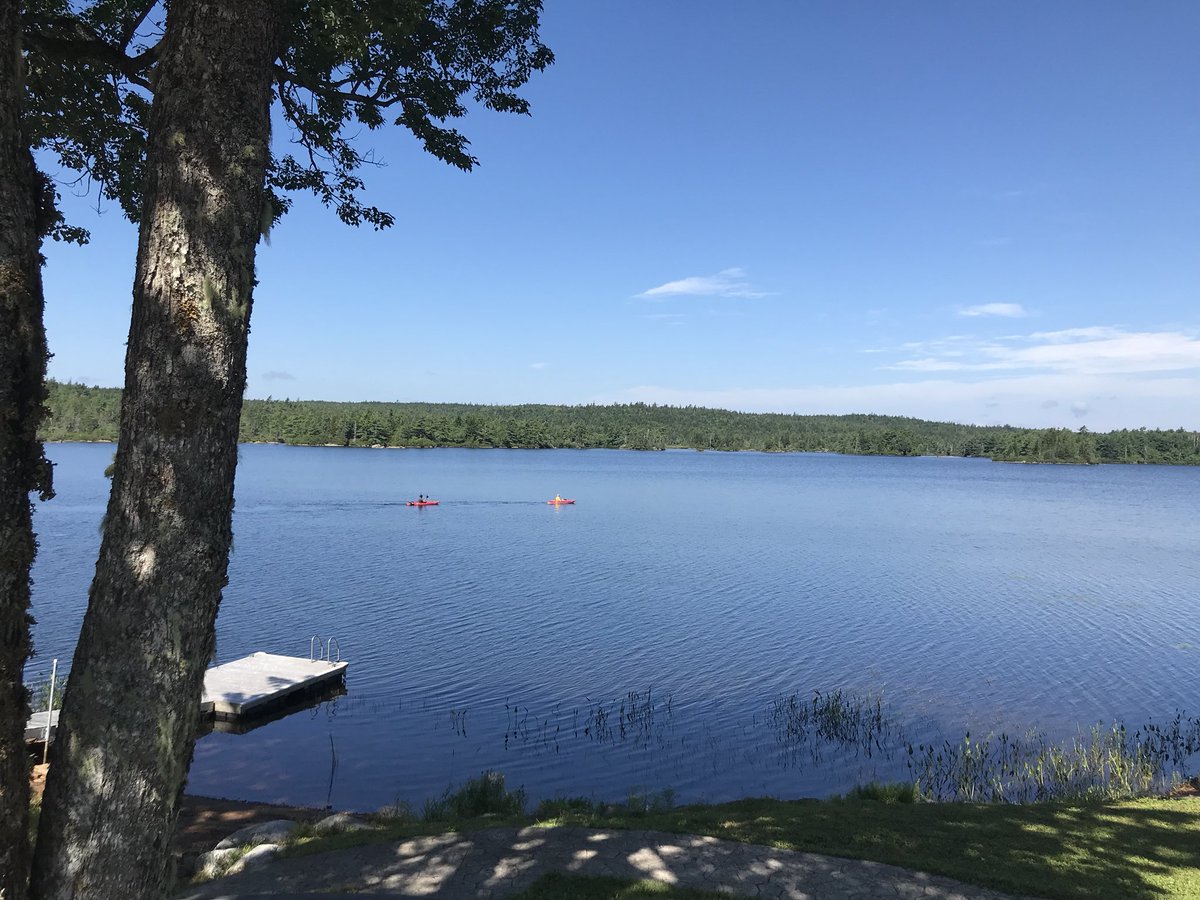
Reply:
x=35 y=728
x=262 y=680
x=247 y=687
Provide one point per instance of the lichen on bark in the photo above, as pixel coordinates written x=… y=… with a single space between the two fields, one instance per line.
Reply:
x=149 y=629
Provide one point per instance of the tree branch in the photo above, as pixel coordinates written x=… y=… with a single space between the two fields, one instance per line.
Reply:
x=286 y=77
x=131 y=29
x=85 y=46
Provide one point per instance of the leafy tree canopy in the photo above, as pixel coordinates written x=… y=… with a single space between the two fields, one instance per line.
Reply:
x=78 y=412
x=343 y=65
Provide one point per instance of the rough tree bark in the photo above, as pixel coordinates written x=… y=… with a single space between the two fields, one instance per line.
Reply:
x=23 y=468
x=131 y=709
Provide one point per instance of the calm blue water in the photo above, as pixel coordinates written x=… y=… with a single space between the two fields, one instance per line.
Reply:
x=496 y=632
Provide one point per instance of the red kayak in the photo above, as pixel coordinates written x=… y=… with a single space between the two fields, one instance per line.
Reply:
x=422 y=502
x=559 y=501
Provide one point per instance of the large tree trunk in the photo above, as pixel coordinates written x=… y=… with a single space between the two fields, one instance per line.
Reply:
x=22 y=465
x=131 y=709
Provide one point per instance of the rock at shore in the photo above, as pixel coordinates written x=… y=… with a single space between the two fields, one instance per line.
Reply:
x=340 y=822
x=273 y=832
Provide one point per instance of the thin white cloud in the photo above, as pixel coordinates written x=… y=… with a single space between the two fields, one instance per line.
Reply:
x=275 y=375
x=1004 y=310
x=1082 y=351
x=930 y=364
x=1102 y=376
x=539 y=365
x=726 y=283
x=1104 y=402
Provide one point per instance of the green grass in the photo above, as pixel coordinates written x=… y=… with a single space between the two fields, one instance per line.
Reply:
x=1133 y=848
x=483 y=802
x=482 y=796
x=893 y=792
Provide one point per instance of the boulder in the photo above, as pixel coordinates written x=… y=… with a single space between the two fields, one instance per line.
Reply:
x=214 y=863
x=340 y=822
x=275 y=831
x=258 y=856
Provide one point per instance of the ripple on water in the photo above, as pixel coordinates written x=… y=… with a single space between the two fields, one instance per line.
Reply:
x=968 y=594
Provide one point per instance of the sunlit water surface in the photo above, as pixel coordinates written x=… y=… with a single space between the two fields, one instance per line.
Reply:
x=497 y=632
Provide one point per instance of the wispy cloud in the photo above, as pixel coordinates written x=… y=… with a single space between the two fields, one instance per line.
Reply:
x=1082 y=351
x=726 y=283
x=538 y=365
x=1103 y=376
x=276 y=375
x=1103 y=402
x=1005 y=310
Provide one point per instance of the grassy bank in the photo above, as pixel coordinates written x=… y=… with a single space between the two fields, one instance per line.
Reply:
x=1134 y=848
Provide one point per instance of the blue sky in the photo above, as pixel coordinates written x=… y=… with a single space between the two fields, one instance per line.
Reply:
x=984 y=212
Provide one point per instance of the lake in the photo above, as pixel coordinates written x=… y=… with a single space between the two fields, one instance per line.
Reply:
x=647 y=638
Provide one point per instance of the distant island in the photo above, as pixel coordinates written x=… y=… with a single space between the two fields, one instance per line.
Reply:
x=81 y=413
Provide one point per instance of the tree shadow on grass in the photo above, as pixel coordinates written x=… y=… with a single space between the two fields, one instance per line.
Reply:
x=1148 y=848
x=1138 y=849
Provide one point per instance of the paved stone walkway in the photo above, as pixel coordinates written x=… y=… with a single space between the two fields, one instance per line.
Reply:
x=502 y=861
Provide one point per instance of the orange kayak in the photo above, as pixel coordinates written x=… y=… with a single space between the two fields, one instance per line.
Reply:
x=559 y=501
x=422 y=502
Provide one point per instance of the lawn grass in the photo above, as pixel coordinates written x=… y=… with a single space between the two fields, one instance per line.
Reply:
x=1135 y=848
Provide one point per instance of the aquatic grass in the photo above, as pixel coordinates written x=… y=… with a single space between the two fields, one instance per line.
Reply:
x=639 y=718
x=482 y=796
x=841 y=720
x=881 y=792
x=836 y=727
x=1106 y=763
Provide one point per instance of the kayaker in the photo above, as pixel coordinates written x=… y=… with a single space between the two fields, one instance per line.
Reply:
x=557 y=498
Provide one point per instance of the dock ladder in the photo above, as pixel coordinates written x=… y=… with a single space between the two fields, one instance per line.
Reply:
x=319 y=653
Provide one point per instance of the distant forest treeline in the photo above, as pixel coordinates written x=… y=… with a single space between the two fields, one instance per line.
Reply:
x=80 y=413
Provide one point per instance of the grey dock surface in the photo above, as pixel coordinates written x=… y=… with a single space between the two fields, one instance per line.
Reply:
x=244 y=687
x=260 y=680
x=35 y=728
